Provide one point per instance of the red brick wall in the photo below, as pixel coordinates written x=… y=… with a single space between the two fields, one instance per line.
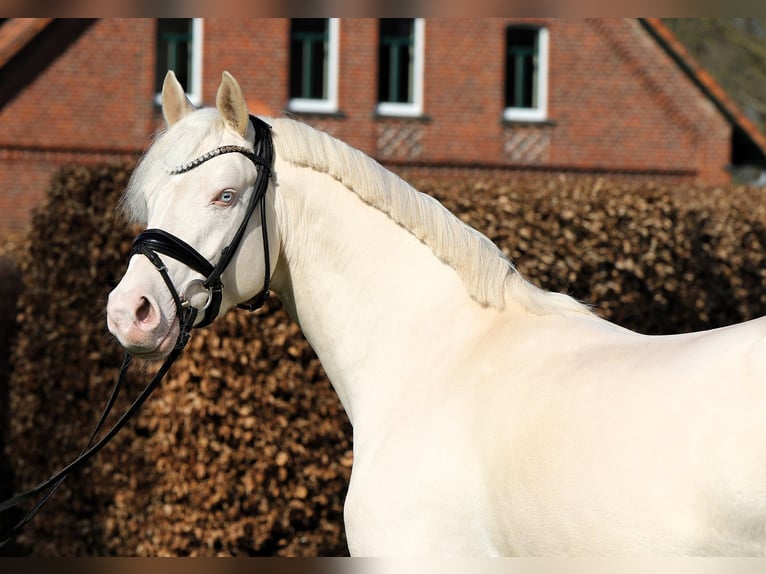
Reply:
x=617 y=102
x=256 y=52
x=97 y=95
x=93 y=103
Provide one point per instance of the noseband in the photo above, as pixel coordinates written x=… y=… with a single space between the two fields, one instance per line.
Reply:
x=151 y=242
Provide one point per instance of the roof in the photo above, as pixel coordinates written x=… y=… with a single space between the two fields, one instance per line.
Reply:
x=702 y=78
x=15 y=33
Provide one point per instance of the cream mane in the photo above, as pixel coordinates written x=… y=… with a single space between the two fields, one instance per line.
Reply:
x=487 y=274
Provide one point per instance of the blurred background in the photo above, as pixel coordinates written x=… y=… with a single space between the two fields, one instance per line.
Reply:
x=621 y=160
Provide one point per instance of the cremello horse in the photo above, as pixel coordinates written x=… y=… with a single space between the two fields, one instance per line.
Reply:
x=490 y=417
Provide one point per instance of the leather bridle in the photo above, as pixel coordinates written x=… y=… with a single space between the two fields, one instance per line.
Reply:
x=153 y=241
x=150 y=243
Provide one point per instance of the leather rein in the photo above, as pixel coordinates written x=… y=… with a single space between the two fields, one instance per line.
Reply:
x=150 y=243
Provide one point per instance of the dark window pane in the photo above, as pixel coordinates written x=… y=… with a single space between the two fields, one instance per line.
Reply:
x=308 y=58
x=521 y=67
x=396 y=59
x=174 y=43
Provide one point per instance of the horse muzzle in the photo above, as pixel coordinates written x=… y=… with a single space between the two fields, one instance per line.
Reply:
x=136 y=319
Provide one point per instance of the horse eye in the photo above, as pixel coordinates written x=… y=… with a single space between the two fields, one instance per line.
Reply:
x=226 y=196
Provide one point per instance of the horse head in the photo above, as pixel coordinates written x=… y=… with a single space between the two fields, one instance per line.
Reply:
x=195 y=190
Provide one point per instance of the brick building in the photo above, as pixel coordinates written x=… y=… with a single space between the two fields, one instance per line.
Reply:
x=614 y=96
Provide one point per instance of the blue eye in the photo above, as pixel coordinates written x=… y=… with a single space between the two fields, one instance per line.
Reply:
x=226 y=196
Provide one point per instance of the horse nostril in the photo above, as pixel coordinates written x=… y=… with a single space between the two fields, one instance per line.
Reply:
x=144 y=311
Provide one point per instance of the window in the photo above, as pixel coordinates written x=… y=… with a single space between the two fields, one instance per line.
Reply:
x=400 y=66
x=526 y=74
x=179 y=48
x=314 y=65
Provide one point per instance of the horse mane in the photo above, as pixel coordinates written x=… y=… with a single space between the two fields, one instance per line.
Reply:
x=489 y=276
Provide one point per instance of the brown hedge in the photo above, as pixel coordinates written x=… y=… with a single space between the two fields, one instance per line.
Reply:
x=245 y=450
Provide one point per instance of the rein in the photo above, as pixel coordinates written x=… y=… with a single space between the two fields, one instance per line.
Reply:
x=149 y=243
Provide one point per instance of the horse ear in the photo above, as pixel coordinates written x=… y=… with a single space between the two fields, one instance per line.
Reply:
x=175 y=104
x=231 y=104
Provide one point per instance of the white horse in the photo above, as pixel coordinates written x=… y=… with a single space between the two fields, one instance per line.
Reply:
x=490 y=417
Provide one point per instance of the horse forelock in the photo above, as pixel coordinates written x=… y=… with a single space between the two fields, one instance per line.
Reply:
x=188 y=139
x=489 y=276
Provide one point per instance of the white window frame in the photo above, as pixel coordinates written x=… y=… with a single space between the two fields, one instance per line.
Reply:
x=328 y=105
x=194 y=92
x=195 y=95
x=415 y=107
x=539 y=113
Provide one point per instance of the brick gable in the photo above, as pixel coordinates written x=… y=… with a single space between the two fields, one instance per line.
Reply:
x=619 y=102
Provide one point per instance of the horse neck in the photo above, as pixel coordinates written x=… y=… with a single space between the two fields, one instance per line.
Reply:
x=374 y=302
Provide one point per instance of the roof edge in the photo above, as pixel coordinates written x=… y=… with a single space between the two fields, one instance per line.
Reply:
x=704 y=81
x=17 y=33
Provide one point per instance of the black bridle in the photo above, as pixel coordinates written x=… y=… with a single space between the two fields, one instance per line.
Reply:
x=153 y=241
x=150 y=243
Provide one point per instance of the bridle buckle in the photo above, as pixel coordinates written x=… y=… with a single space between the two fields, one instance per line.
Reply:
x=198 y=286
